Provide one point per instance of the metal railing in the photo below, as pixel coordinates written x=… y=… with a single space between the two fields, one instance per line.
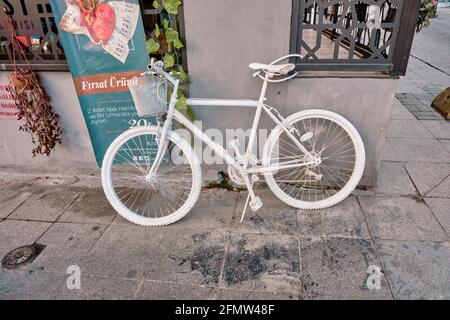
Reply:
x=350 y=35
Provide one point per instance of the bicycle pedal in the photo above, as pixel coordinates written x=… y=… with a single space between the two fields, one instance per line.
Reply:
x=256 y=204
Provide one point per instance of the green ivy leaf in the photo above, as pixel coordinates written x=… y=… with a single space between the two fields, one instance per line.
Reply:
x=190 y=113
x=183 y=76
x=181 y=103
x=156 y=4
x=166 y=24
x=169 y=61
x=173 y=37
x=157 y=31
x=172 y=6
x=152 y=46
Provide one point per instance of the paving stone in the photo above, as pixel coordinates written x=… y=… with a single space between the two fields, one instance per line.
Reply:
x=427 y=176
x=343 y=220
x=410 y=129
x=53 y=286
x=274 y=217
x=190 y=257
x=389 y=153
x=441 y=209
x=399 y=112
x=154 y=290
x=164 y=254
x=412 y=107
x=338 y=268
x=417 y=270
x=262 y=263
x=424 y=96
x=446 y=144
x=90 y=207
x=439 y=129
x=46 y=204
x=420 y=150
x=401 y=218
x=12 y=196
x=442 y=190
x=213 y=210
x=421 y=115
x=14 y=234
x=66 y=244
x=226 y=294
x=394 y=180
x=100 y=288
x=20 y=285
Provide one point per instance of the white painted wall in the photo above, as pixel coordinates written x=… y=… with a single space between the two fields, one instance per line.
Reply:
x=76 y=150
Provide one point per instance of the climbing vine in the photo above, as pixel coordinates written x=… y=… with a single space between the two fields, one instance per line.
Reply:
x=428 y=9
x=165 y=41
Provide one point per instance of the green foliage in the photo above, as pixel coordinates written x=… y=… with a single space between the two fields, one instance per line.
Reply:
x=157 y=31
x=169 y=61
x=173 y=38
x=172 y=6
x=165 y=39
x=427 y=10
x=153 y=46
x=182 y=75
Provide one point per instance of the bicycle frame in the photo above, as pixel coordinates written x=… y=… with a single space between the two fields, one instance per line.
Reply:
x=222 y=152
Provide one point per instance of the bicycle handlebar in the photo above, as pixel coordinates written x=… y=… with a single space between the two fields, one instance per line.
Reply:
x=156 y=67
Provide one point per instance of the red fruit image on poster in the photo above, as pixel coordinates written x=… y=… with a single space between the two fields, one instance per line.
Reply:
x=110 y=24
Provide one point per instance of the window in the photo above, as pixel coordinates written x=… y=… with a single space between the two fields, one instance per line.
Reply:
x=38 y=34
x=350 y=35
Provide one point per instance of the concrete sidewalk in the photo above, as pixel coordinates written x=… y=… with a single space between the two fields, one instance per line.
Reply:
x=402 y=226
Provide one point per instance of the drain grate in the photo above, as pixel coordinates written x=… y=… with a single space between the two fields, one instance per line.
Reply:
x=21 y=256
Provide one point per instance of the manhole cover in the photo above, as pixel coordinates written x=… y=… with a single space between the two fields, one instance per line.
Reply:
x=20 y=256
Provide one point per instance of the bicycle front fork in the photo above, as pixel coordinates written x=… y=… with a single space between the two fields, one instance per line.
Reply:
x=162 y=142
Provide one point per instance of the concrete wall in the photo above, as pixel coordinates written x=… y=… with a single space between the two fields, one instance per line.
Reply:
x=224 y=37
x=76 y=150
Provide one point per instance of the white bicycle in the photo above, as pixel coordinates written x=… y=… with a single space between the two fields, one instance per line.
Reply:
x=313 y=159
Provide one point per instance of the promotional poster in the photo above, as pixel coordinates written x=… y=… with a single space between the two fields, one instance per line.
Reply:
x=104 y=43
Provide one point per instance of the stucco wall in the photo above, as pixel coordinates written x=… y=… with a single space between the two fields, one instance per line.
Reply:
x=76 y=150
x=224 y=37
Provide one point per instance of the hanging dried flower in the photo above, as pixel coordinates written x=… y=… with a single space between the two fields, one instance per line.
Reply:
x=35 y=110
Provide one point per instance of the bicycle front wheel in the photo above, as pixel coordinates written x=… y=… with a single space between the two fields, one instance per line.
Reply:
x=151 y=199
x=328 y=137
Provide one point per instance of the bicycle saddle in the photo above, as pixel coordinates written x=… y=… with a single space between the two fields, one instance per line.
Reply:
x=281 y=69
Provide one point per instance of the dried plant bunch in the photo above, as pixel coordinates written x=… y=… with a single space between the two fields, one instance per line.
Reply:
x=35 y=110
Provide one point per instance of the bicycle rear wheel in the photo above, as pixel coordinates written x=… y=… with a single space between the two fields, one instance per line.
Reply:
x=156 y=199
x=328 y=136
